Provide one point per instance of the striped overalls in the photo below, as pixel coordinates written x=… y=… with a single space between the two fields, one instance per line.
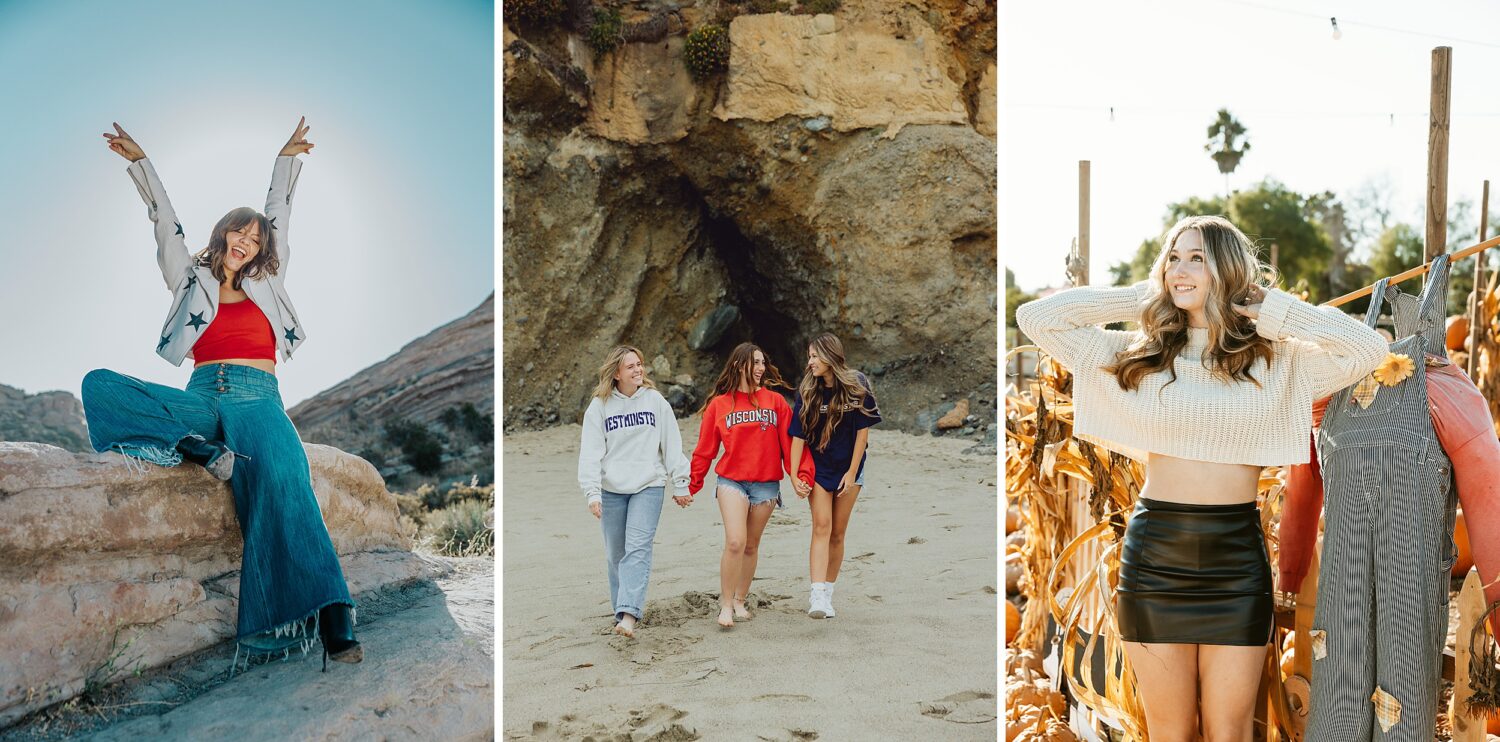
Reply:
x=1387 y=546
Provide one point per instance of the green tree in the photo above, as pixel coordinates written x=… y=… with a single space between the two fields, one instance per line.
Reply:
x=1223 y=134
x=1014 y=297
x=1268 y=213
x=1398 y=248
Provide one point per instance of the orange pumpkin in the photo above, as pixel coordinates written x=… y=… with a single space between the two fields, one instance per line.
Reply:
x=1492 y=724
x=1465 y=560
x=1012 y=622
x=1458 y=332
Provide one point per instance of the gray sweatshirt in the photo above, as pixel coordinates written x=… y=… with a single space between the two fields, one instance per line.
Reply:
x=629 y=444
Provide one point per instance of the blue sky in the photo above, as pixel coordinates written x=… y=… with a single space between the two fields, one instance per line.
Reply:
x=1322 y=114
x=393 y=221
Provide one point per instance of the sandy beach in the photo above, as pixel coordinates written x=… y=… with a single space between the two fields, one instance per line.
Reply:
x=911 y=654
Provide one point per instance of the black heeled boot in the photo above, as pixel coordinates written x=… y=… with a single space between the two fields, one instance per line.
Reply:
x=336 y=629
x=211 y=455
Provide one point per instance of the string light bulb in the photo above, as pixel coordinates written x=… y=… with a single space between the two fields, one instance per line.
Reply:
x=1337 y=34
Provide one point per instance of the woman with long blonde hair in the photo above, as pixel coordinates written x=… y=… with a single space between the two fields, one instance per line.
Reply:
x=832 y=416
x=631 y=447
x=751 y=421
x=1217 y=383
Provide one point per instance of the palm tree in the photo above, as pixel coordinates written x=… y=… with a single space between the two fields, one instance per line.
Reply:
x=1223 y=135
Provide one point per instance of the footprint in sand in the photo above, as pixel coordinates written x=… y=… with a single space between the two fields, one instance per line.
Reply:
x=658 y=723
x=916 y=540
x=968 y=707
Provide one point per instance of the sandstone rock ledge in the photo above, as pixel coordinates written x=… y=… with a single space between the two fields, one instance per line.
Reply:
x=105 y=570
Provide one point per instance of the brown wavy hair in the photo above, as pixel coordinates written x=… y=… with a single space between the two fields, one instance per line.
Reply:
x=1233 y=346
x=265 y=263
x=848 y=393
x=740 y=370
x=611 y=366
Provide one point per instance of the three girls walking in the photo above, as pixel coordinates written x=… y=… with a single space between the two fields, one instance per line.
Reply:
x=636 y=447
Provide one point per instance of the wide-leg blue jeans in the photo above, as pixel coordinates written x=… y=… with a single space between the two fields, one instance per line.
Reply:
x=629 y=525
x=288 y=569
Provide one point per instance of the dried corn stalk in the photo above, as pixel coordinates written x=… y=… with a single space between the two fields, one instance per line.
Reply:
x=1487 y=369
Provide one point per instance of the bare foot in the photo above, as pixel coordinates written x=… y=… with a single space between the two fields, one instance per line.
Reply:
x=726 y=617
x=626 y=626
x=740 y=612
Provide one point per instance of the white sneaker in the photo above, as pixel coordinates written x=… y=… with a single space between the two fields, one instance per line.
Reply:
x=818 y=603
x=828 y=600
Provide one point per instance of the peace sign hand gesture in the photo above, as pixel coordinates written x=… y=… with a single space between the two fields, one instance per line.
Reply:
x=121 y=144
x=298 y=144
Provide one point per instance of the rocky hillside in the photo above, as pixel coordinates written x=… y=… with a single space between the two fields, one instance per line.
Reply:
x=54 y=418
x=424 y=386
x=839 y=175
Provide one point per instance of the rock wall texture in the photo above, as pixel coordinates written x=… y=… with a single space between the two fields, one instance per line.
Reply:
x=104 y=568
x=47 y=417
x=838 y=177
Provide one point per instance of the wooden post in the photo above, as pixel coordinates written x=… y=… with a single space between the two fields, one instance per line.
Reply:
x=1083 y=218
x=1476 y=301
x=1437 y=153
x=1470 y=610
x=1276 y=259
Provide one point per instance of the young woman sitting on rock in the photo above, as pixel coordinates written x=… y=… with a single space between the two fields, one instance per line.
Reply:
x=752 y=423
x=631 y=447
x=230 y=313
x=833 y=413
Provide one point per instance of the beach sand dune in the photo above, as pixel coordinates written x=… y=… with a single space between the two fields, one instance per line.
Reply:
x=911 y=654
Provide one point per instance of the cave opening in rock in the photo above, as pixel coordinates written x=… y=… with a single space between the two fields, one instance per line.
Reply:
x=763 y=319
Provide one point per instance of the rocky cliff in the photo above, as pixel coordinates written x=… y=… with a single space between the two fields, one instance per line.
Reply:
x=838 y=176
x=441 y=371
x=54 y=418
x=105 y=569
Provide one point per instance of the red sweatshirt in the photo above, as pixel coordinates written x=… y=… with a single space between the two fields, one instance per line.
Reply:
x=757 y=447
x=1461 y=419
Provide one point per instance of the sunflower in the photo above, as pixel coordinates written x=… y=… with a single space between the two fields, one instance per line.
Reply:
x=1394 y=369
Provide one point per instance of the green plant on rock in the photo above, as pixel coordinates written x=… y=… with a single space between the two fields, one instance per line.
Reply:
x=604 y=34
x=768 y=6
x=706 y=51
x=821 y=6
x=534 y=11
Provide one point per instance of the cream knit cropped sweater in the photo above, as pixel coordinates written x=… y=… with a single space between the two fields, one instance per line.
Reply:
x=1199 y=416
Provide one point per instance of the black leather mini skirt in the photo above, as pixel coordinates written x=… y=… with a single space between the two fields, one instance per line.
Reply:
x=1194 y=574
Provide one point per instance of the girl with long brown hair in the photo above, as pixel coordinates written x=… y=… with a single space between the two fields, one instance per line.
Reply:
x=833 y=413
x=231 y=315
x=751 y=421
x=1217 y=383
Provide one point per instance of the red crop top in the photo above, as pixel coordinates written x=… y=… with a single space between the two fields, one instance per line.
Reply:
x=239 y=330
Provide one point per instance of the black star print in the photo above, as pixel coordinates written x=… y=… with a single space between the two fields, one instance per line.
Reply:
x=179 y=228
x=196 y=321
x=291 y=335
x=273 y=222
x=164 y=340
x=192 y=279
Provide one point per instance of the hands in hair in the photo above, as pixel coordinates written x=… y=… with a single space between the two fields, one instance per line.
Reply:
x=121 y=144
x=298 y=144
x=1252 y=301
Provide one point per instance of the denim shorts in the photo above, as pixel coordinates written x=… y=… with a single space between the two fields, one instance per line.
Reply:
x=755 y=492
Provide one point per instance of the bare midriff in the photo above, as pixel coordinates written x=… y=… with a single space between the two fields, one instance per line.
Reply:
x=1171 y=479
x=255 y=363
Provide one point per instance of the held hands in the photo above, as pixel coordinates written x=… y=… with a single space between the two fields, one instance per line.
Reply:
x=298 y=144
x=596 y=508
x=803 y=489
x=121 y=144
x=1252 y=301
x=682 y=500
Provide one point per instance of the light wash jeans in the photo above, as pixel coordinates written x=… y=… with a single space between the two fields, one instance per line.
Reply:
x=629 y=523
x=288 y=569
